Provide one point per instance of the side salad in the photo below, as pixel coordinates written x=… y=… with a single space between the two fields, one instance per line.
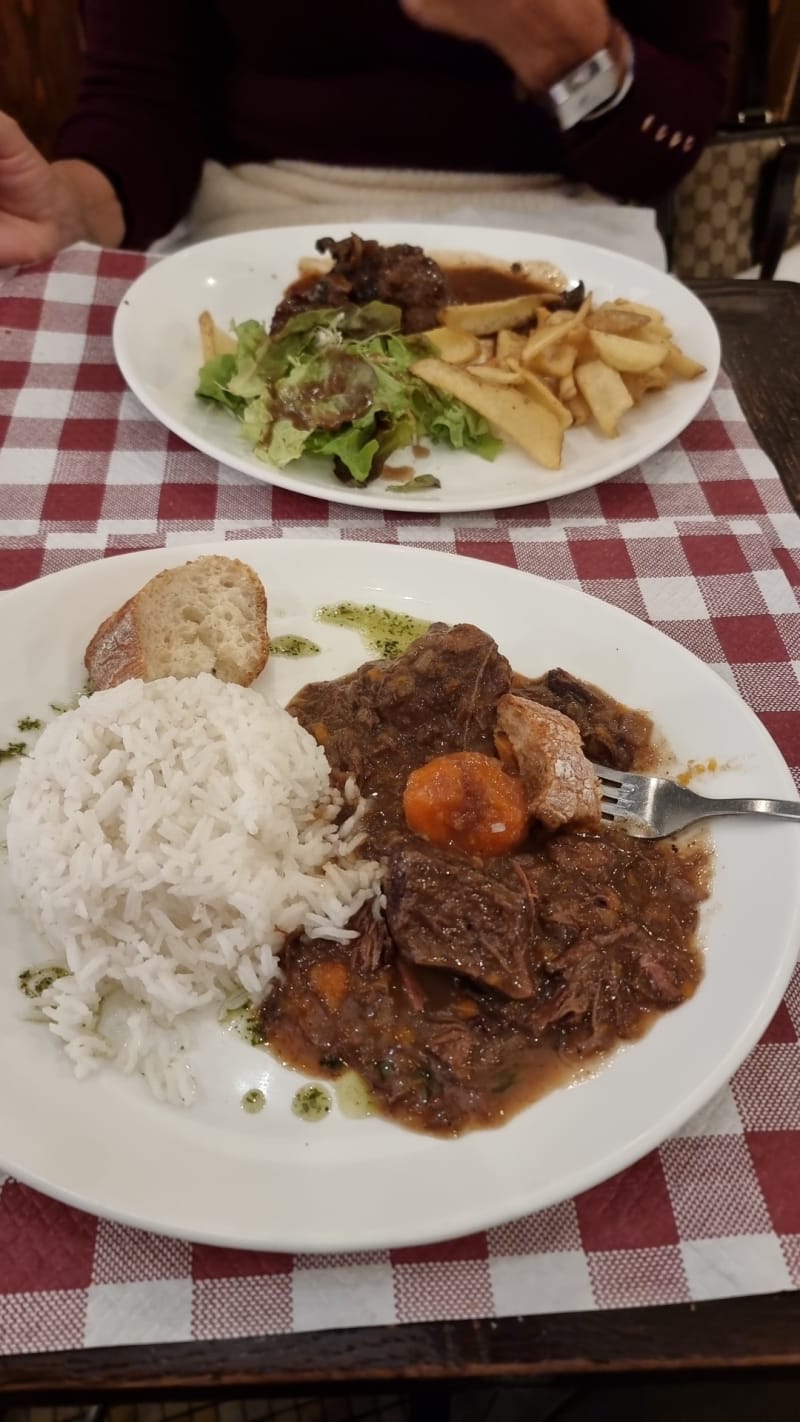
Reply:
x=337 y=382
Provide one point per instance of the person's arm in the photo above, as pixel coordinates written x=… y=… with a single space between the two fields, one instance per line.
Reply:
x=141 y=121
x=645 y=146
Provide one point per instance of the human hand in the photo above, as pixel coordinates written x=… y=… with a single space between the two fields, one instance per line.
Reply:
x=33 y=212
x=46 y=206
x=540 y=40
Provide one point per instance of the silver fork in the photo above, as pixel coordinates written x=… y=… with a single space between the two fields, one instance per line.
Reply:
x=649 y=807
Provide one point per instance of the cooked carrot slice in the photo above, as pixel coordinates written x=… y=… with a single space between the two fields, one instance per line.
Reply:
x=467 y=801
x=466 y=1009
x=330 y=981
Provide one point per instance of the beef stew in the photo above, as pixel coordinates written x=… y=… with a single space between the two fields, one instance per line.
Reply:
x=485 y=982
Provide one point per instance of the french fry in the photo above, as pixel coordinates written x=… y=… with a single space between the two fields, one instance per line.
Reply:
x=655 y=327
x=638 y=383
x=553 y=331
x=649 y=311
x=557 y=361
x=524 y=421
x=509 y=345
x=485 y=318
x=533 y=371
x=205 y=323
x=616 y=320
x=655 y=331
x=494 y=375
x=622 y=353
x=453 y=345
x=681 y=364
x=605 y=393
x=213 y=340
x=583 y=348
x=541 y=392
x=579 y=410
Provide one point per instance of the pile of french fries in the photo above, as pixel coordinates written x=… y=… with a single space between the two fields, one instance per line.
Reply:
x=534 y=372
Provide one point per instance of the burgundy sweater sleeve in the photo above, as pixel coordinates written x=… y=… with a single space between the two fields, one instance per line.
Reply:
x=142 y=110
x=645 y=146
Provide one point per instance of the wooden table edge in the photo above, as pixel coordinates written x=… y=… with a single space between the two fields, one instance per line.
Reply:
x=747 y=1334
x=759 y=325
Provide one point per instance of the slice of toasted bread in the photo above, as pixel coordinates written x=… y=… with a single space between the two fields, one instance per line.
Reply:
x=209 y=615
x=561 y=785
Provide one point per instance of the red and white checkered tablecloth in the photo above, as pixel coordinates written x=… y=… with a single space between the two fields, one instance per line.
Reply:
x=702 y=542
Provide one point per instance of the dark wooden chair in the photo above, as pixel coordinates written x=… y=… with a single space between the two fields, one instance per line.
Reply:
x=39 y=64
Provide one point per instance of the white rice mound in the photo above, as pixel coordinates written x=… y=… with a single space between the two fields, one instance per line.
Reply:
x=164 y=838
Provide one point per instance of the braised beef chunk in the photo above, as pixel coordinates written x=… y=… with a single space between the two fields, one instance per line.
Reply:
x=612 y=734
x=615 y=934
x=452 y=1043
x=483 y=982
x=439 y=1063
x=373 y=948
x=390 y=717
x=445 y=912
x=364 y=271
x=606 y=945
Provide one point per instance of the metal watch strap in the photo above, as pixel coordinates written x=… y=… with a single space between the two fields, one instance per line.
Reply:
x=593 y=83
x=592 y=88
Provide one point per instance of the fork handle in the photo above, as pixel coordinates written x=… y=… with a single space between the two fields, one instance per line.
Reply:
x=779 y=809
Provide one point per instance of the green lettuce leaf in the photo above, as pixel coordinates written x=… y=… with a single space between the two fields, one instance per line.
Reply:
x=376 y=318
x=256 y=417
x=213 y=381
x=449 y=421
x=325 y=391
x=355 y=445
x=413 y=486
x=286 y=442
x=338 y=383
x=249 y=376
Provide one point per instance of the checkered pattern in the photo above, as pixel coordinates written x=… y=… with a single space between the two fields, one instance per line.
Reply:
x=702 y=542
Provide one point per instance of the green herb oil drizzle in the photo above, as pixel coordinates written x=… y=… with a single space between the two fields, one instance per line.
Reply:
x=386 y=633
x=34 y=981
x=293 y=647
x=312 y=1103
x=13 y=750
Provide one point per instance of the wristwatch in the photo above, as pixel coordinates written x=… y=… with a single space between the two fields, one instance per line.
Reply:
x=596 y=86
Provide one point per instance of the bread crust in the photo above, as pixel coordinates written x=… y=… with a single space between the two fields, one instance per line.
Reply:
x=119 y=649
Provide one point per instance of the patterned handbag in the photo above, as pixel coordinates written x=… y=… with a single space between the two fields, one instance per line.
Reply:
x=740 y=205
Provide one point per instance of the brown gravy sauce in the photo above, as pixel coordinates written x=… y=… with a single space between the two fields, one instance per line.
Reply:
x=467 y=285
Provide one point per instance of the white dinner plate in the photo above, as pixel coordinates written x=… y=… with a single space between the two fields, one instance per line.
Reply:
x=214 y=1173
x=235 y=278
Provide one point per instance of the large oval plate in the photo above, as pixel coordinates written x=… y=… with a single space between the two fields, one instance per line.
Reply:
x=157 y=347
x=216 y=1174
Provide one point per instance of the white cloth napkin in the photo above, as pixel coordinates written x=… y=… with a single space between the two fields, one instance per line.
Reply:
x=290 y=194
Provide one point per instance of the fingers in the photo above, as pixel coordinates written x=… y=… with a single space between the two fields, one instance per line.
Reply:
x=431 y=14
x=12 y=140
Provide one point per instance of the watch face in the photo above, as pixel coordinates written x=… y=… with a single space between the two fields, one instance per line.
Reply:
x=584 y=89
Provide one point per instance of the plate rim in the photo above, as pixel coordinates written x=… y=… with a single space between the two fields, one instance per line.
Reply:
x=578 y=1179
x=696 y=396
